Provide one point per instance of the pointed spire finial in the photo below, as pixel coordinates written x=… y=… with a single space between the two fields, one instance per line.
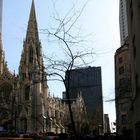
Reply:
x=32 y=24
x=33 y=3
x=32 y=12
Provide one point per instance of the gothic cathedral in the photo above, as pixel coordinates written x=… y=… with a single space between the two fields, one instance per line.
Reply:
x=32 y=85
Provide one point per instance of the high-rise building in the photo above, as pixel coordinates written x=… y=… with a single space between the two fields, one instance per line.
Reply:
x=1 y=5
x=133 y=16
x=88 y=83
x=123 y=78
x=123 y=90
x=123 y=21
x=1 y=49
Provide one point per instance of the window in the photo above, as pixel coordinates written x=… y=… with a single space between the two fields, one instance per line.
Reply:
x=121 y=92
x=123 y=106
x=122 y=82
x=120 y=60
x=121 y=70
x=31 y=54
x=134 y=47
x=30 y=76
x=27 y=91
x=137 y=83
x=124 y=119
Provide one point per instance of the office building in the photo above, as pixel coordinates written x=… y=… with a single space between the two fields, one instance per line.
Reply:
x=88 y=83
x=133 y=15
x=1 y=5
x=123 y=21
x=1 y=49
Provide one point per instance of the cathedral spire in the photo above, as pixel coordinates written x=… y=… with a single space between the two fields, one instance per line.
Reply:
x=31 y=62
x=32 y=31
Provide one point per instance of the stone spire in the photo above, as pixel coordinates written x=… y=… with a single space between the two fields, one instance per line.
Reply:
x=32 y=31
x=31 y=64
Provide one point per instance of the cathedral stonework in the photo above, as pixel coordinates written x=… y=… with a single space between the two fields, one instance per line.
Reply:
x=31 y=92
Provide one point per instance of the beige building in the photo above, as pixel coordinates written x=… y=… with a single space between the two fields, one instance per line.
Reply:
x=133 y=15
x=123 y=90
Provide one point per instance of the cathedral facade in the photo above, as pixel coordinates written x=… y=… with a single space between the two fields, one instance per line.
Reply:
x=27 y=103
x=31 y=89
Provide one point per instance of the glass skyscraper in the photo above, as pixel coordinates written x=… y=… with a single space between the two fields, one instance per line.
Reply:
x=123 y=21
x=1 y=1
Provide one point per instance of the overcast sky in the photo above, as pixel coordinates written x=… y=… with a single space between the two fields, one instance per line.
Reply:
x=100 y=18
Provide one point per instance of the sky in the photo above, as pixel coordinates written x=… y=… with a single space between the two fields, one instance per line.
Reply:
x=100 y=19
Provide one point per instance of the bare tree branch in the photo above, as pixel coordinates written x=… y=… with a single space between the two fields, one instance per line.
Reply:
x=58 y=68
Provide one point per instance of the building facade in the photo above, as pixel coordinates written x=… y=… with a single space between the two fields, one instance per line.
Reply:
x=87 y=82
x=123 y=90
x=31 y=89
x=133 y=15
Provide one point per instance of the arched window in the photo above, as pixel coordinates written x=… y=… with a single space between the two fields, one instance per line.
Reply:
x=27 y=91
x=31 y=54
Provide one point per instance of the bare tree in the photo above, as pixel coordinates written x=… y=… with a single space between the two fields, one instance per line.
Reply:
x=73 y=55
